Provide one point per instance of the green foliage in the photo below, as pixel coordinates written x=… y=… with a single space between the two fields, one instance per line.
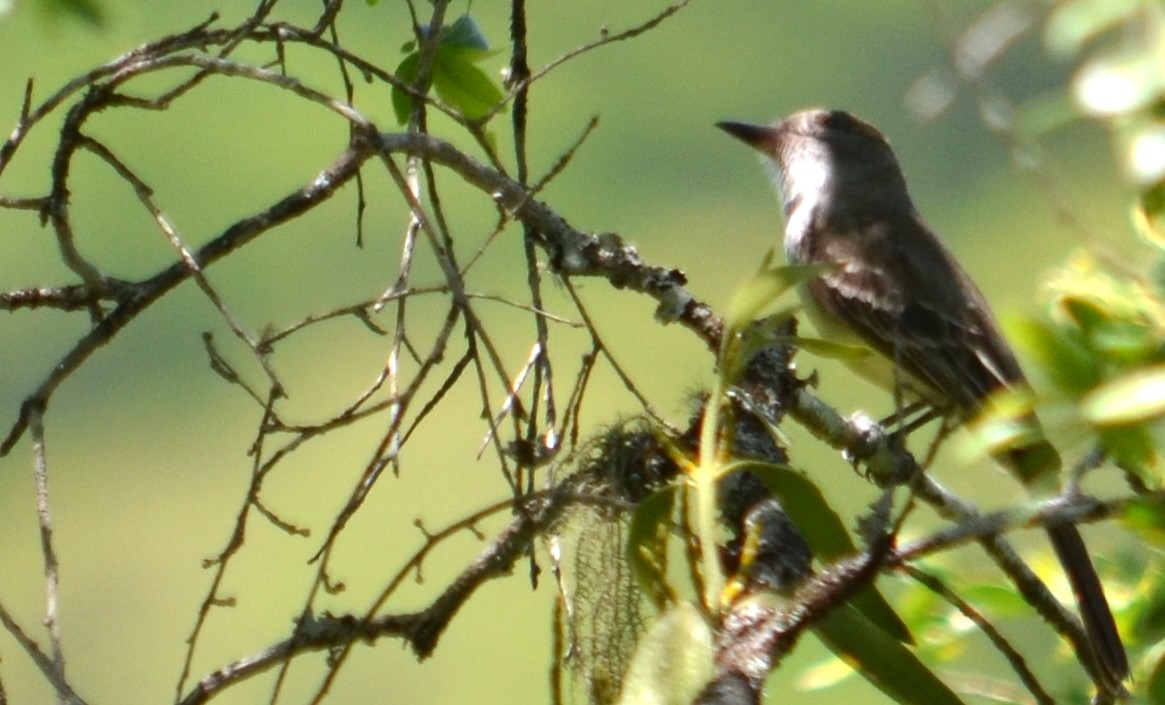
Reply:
x=1147 y=518
x=455 y=76
x=647 y=542
x=881 y=659
x=1103 y=347
x=90 y=12
x=673 y=660
x=763 y=288
x=826 y=534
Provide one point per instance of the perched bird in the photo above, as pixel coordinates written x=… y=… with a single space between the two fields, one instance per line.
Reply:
x=895 y=288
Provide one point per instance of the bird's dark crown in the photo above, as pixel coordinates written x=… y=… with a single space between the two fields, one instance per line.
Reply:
x=832 y=126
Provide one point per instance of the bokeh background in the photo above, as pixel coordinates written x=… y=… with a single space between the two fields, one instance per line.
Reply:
x=148 y=448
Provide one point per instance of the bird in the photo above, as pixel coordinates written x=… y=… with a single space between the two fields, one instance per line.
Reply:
x=890 y=284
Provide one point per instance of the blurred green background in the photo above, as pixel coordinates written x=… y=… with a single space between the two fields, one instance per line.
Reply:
x=147 y=447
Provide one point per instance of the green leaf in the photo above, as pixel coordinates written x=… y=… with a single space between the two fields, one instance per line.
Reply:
x=402 y=103
x=1149 y=627
x=1071 y=25
x=465 y=33
x=1155 y=688
x=88 y=11
x=806 y=506
x=884 y=662
x=673 y=661
x=765 y=287
x=647 y=542
x=1063 y=357
x=1128 y=342
x=831 y=350
x=1136 y=397
x=1147 y=217
x=999 y=600
x=1132 y=447
x=1147 y=518
x=826 y=535
x=1086 y=312
x=462 y=85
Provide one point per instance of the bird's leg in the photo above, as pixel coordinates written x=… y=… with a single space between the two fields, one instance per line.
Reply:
x=901 y=420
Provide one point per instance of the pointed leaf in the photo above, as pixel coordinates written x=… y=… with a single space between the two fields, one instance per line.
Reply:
x=884 y=662
x=764 y=288
x=402 y=103
x=1132 y=448
x=831 y=350
x=1063 y=357
x=826 y=535
x=806 y=506
x=462 y=85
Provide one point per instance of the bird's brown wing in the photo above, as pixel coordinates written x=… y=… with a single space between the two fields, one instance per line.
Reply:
x=903 y=292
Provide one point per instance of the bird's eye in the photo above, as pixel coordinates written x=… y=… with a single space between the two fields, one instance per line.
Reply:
x=844 y=122
x=838 y=120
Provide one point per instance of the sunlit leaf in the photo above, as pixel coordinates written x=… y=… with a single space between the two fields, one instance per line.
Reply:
x=831 y=350
x=1136 y=397
x=1005 y=424
x=1072 y=24
x=764 y=288
x=1126 y=341
x=1144 y=153
x=826 y=674
x=1067 y=362
x=881 y=660
x=1147 y=216
x=673 y=662
x=1147 y=518
x=1085 y=312
x=1132 y=447
x=1116 y=84
x=647 y=542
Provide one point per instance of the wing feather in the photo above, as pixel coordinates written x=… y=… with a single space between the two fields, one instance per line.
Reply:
x=909 y=299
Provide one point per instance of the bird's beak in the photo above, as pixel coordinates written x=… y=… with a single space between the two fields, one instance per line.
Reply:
x=756 y=136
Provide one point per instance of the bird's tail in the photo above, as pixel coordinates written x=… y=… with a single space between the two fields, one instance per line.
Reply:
x=1094 y=611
